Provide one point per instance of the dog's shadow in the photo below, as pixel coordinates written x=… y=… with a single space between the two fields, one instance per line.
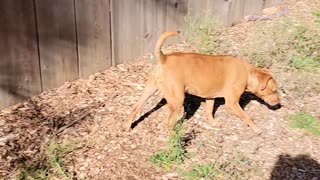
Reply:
x=192 y=103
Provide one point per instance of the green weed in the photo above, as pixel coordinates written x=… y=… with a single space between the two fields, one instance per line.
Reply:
x=304 y=121
x=202 y=33
x=308 y=64
x=317 y=15
x=306 y=44
x=34 y=172
x=55 y=154
x=175 y=154
x=294 y=44
x=208 y=171
x=235 y=168
x=52 y=164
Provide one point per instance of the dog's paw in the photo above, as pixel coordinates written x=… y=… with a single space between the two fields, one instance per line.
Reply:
x=257 y=130
x=127 y=127
x=213 y=122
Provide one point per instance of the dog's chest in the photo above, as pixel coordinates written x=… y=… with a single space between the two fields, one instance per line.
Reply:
x=191 y=90
x=203 y=92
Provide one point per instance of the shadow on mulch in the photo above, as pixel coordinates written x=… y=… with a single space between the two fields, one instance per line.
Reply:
x=26 y=129
x=299 y=167
x=192 y=103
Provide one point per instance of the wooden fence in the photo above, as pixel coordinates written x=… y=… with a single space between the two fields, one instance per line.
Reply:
x=44 y=43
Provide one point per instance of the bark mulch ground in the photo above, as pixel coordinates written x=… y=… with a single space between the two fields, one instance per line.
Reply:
x=92 y=111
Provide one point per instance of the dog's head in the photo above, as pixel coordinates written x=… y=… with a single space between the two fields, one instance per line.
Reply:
x=263 y=85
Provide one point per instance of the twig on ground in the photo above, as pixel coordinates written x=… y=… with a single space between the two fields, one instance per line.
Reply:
x=72 y=123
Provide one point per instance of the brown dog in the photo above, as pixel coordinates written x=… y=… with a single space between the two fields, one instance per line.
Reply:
x=207 y=77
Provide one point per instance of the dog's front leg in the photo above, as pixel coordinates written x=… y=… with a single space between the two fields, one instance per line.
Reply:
x=234 y=108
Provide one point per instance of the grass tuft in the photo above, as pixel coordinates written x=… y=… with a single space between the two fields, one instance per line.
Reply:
x=175 y=154
x=202 y=32
x=52 y=164
x=317 y=15
x=33 y=172
x=208 y=171
x=294 y=44
x=308 y=64
x=235 y=168
x=304 y=121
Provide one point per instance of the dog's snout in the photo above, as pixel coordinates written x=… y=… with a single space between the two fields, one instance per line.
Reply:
x=276 y=106
x=277 y=101
x=274 y=102
x=272 y=99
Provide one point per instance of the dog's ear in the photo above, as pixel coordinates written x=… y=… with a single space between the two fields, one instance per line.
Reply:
x=263 y=80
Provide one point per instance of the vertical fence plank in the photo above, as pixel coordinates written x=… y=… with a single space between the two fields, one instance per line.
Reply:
x=197 y=9
x=252 y=6
x=220 y=10
x=175 y=17
x=270 y=3
x=236 y=11
x=153 y=20
x=126 y=31
x=216 y=9
x=176 y=11
x=93 y=32
x=19 y=63
x=57 y=42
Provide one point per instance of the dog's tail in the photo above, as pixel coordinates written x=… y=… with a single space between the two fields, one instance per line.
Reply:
x=164 y=36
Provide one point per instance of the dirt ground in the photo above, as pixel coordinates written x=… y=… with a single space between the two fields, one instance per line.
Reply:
x=92 y=112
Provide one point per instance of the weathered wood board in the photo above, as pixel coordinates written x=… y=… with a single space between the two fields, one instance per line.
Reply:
x=57 y=42
x=19 y=61
x=93 y=34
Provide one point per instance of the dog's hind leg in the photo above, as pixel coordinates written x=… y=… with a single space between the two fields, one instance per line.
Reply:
x=209 y=111
x=149 y=90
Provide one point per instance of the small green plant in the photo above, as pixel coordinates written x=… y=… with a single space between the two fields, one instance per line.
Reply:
x=175 y=154
x=268 y=46
x=34 y=172
x=286 y=42
x=207 y=171
x=306 y=122
x=202 y=33
x=306 y=47
x=317 y=15
x=308 y=64
x=234 y=168
x=55 y=153
x=52 y=165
